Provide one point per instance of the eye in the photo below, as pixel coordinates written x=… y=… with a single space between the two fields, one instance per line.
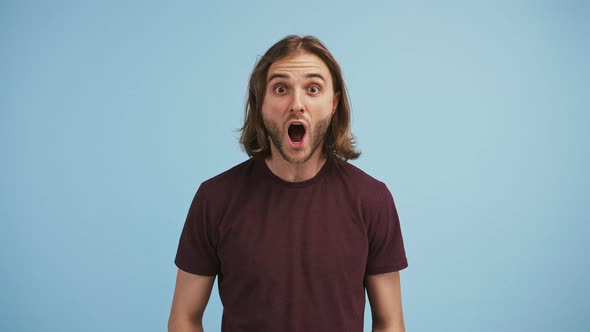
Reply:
x=279 y=89
x=313 y=89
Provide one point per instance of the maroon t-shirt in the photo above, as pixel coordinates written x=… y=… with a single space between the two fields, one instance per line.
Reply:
x=291 y=256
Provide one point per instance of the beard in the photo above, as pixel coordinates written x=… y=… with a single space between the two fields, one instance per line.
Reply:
x=277 y=136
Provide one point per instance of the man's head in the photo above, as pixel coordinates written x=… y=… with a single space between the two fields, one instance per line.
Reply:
x=297 y=102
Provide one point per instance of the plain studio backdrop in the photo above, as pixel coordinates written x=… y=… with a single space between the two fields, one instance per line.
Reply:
x=475 y=114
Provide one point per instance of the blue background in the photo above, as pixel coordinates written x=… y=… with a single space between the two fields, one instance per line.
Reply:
x=474 y=114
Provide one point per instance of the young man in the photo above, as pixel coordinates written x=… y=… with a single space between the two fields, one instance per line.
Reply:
x=295 y=233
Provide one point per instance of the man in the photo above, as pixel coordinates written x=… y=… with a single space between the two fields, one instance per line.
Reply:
x=295 y=233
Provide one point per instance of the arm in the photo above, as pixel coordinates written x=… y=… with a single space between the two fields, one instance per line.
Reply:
x=191 y=296
x=384 y=292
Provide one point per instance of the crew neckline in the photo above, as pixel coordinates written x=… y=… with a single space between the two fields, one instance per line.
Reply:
x=299 y=184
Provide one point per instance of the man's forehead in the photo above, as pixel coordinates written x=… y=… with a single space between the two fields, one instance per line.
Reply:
x=304 y=62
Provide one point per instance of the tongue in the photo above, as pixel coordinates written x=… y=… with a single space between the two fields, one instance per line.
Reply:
x=296 y=133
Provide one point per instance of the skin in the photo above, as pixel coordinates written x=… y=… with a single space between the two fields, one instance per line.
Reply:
x=297 y=96
x=313 y=101
x=384 y=293
x=191 y=296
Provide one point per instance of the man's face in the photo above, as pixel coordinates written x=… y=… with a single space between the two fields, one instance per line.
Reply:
x=298 y=105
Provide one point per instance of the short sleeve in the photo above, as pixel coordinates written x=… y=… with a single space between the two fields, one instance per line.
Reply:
x=196 y=251
x=386 y=245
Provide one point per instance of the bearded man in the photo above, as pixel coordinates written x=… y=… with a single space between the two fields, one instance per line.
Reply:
x=295 y=233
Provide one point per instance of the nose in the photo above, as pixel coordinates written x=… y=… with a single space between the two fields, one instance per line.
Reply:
x=297 y=101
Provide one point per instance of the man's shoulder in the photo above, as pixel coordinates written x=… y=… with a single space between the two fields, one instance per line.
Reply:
x=355 y=175
x=372 y=193
x=231 y=176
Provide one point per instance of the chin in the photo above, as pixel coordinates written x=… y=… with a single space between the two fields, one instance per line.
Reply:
x=295 y=157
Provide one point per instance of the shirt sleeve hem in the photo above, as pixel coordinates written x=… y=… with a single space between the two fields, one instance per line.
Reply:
x=193 y=270
x=390 y=268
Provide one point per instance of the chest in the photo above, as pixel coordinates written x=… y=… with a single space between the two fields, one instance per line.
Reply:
x=274 y=236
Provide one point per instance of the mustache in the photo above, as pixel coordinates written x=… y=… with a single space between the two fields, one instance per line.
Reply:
x=296 y=118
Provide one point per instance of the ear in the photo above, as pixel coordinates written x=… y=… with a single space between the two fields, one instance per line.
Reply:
x=335 y=102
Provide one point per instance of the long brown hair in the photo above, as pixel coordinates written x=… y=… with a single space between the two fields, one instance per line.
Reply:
x=339 y=141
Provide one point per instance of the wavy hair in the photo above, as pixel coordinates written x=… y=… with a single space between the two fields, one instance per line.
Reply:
x=338 y=142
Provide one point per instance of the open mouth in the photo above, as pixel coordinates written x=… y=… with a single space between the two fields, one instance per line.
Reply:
x=296 y=132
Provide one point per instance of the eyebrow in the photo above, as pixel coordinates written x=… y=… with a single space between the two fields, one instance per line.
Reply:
x=277 y=75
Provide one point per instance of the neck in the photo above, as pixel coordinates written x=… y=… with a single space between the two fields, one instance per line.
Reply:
x=291 y=172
